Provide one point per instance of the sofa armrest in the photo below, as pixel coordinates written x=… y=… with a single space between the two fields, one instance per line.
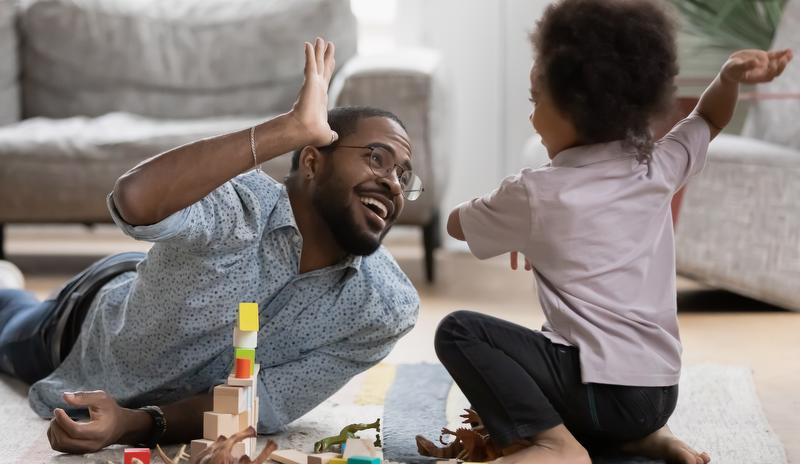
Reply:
x=408 y=83
x=739 y=220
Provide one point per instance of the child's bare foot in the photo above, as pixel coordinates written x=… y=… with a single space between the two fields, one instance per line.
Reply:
x=662 y=444
x=553 y=446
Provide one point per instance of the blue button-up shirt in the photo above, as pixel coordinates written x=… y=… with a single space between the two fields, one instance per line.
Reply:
x=166 y=331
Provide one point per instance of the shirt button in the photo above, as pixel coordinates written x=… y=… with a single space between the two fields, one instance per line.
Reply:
x=295 y=238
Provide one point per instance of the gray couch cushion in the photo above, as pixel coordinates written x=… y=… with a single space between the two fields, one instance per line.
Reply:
x=9 y=69
x=175 y=59
x=775 y=119
x=62 y=170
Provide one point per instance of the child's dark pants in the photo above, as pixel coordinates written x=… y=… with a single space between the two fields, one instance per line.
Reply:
x=521 y=384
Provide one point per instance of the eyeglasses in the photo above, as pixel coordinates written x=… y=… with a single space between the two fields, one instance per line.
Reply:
x=381 y=163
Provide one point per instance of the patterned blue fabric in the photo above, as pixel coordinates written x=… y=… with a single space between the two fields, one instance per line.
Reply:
x=166 y=331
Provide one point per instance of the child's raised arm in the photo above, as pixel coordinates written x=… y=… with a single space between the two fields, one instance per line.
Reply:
x=743 y=67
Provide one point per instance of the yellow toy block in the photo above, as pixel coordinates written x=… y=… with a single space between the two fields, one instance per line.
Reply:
x=338 y=461
x=248 y=317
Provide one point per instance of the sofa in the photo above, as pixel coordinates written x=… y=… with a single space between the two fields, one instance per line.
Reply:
x=89 y=88
x=739 y=225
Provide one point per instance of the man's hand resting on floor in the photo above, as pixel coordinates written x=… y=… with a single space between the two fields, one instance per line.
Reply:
x=108 y=423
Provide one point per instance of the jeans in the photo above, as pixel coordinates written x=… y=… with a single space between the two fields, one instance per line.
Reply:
x=24 y=330
x=36 y=336
x=521 y=384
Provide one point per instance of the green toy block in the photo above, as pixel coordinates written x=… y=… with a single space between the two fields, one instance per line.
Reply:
x=248 y=317
x=363 y=460
x=248 y=353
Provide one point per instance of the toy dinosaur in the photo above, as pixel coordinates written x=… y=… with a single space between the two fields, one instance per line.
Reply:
x=179 y=456
x=220 y=452
x=473 y=444
x=326 y=444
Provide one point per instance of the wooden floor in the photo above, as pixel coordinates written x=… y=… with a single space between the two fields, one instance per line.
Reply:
x=716 y=326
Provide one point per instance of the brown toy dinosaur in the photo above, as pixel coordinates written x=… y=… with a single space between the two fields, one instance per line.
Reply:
x=220 y=452
x=473 y=444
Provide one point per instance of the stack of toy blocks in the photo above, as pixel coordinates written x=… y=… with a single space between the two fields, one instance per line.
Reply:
x=236 y=402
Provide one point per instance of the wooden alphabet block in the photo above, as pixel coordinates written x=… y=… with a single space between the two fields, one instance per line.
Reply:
x=244 y=338
x=289 y=456
x=229 y=399
x=136 y=456
x=321 y=458
x=216 y=424
x=248 y=317
x=359 y=447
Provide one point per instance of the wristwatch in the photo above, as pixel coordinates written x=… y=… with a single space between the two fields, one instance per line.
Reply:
x=159 y=425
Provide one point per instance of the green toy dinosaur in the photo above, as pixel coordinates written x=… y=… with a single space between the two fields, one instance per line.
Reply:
x=326 y=444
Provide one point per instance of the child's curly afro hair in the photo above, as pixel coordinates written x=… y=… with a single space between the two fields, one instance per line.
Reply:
x=609 y=65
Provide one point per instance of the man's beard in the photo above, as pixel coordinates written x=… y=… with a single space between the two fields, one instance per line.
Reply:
x=331 y=205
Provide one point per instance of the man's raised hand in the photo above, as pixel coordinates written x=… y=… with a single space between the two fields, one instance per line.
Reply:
x=755 y=66
x=311 y=107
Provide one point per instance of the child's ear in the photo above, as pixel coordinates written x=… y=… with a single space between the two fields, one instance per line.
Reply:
x=310 y=159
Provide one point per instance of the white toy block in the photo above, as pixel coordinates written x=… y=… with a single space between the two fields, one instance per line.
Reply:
x=360 y=447
x=229 y=399
x=249 y=382
x=289 y=456
x=244 y=420
x=241 y=448
x=216 y=424
x=321 y=458
x=244 y=338
x=198 y=446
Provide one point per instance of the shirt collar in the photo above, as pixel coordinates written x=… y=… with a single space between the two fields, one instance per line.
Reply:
x=585 y=155
x=283 y=216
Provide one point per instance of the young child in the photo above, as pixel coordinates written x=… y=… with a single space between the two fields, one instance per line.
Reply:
x=596 y=227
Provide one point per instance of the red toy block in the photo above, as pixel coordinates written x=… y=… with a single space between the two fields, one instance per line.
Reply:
x=132 y=455
x=243 y=368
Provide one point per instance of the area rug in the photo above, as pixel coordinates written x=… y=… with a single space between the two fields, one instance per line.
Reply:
x=718 y=411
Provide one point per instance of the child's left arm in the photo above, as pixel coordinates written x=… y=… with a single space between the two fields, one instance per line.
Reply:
x=718 y=102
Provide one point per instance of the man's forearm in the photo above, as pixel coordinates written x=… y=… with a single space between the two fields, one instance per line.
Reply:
x=182 y=176
x=718 y=103
x=184 y=421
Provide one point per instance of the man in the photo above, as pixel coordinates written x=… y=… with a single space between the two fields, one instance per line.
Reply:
x=332 y=302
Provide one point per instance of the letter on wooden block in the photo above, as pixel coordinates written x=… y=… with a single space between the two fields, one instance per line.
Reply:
x=131 y=455
x=248 y=317
x=229 y=399
x=359 y=447
x=321 y=458
x=244 y=338
x=289 y=456
x=216 y=424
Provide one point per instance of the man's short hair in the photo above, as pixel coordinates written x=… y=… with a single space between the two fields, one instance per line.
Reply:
x=344 y=121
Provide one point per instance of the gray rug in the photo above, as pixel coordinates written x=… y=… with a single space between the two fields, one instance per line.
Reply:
x=718 y=411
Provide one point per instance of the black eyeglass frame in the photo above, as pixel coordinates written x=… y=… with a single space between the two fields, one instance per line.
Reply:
x=406 y=192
